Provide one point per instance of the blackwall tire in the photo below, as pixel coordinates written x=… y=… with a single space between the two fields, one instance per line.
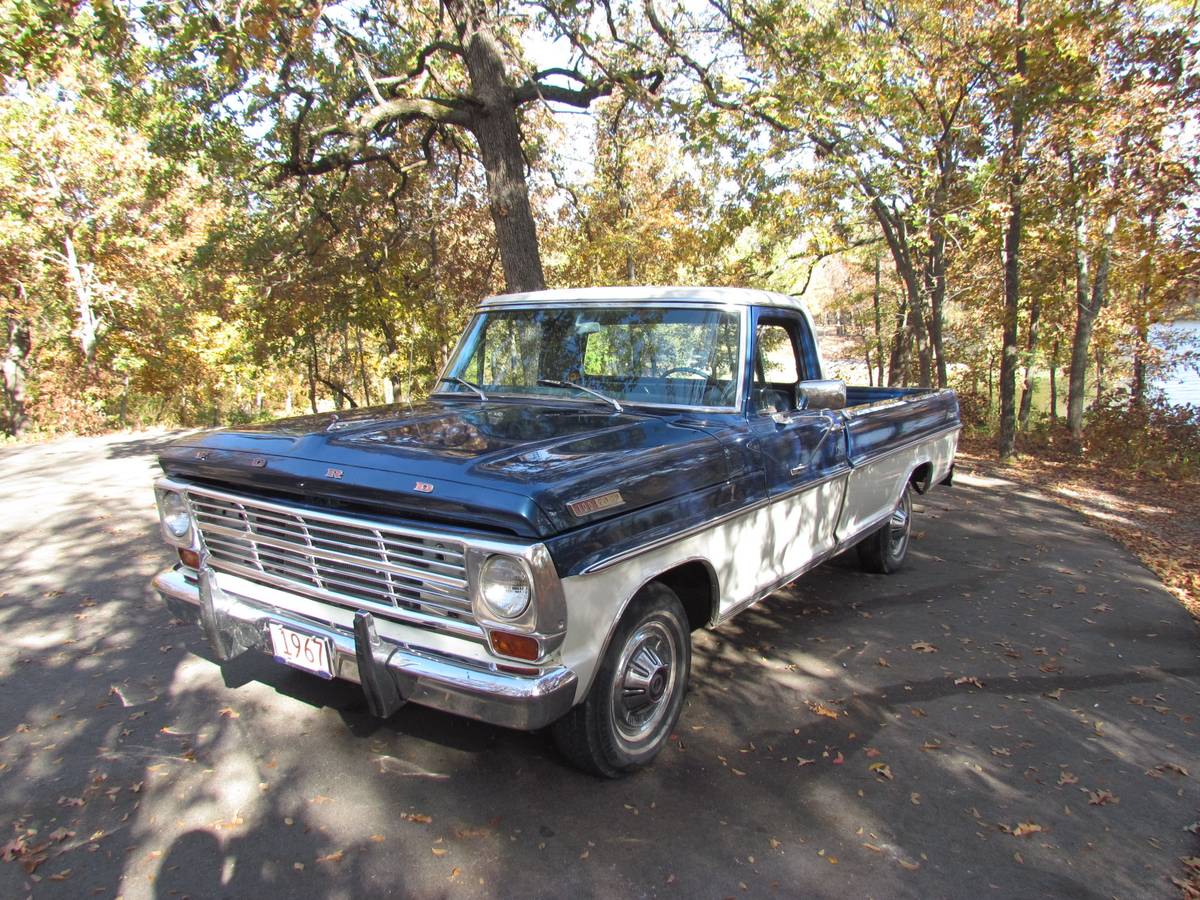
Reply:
x=885 y=550
x=637 y=695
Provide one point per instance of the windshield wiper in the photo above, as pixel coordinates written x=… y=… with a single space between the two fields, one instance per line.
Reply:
x=546 y=382
x=454 y=379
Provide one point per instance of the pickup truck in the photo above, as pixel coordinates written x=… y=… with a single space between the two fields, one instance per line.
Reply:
x=597 y=474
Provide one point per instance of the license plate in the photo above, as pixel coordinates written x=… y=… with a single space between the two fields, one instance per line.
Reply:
x=304 y=651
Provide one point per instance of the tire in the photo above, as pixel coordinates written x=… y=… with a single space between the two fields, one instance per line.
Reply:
x=636 y=697
x=883 y=552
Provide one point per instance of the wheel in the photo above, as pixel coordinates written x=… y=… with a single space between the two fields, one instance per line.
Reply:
x=635 y=700
x=884 y=551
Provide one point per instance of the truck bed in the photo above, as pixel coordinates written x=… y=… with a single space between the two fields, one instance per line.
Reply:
x=880 y=420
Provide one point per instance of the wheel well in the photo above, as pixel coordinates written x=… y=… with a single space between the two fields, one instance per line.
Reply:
x=696 y=587
x=921 y=477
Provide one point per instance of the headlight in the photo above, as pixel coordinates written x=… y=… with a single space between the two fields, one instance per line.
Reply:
x=504 y=587
x=173 y=511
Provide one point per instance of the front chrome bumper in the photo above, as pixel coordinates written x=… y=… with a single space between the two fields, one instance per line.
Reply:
x=389 y=673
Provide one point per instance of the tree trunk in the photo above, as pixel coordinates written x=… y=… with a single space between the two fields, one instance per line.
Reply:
x=498 y=134
x=1088 y=304
x=362 y=367
x=16 y=352
x=898 y=362
x=1012 y=257
x=79 y=279
x=878 y=327
x=312 y=374
x=1054 y=383
x=1137 y=390
x=935 y=265
x=1031 y=341
x=340 y=392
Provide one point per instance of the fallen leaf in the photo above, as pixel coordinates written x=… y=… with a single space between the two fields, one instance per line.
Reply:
x=61 y=876
x=736 y=771
x=455 y=872
x=914 y=798
x=12 y=849
x=839 y=759
x=822 y=710
x=909 y=864
x=1065 y=777
x=871 y=753
x=881 y=769
x=1055 y=694
x=416 y=817
x=229 y=713
x=439 y=851
x=931 y=745
x=1172 y=767
x=883 y=662
x=1026 y=828
x=1102 y=798
x=336 y=856
x=923 y=647
x=969 y=679
x=378 y=838
x=775 y=845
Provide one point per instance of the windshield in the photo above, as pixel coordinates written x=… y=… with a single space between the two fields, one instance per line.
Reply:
x=655 y=355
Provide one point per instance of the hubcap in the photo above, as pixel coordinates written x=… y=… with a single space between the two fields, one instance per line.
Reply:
x=645 y=682
x=899 y=526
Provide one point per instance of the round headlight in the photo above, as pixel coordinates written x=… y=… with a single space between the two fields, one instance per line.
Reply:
x=175 y=516
x=504 y=587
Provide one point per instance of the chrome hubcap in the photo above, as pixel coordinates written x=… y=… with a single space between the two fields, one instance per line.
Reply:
x=645 y=682
x=899 y=526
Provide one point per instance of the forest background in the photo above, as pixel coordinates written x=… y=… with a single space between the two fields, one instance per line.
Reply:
x=215 y=212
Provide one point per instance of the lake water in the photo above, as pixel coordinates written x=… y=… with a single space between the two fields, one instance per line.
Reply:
x=1184 y=384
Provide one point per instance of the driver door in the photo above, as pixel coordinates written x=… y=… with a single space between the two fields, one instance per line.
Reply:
x=803 y=452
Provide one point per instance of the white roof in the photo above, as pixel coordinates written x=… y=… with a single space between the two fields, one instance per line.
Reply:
x=723 y=295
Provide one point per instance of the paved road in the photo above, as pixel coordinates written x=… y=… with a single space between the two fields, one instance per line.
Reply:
x=1022 y=672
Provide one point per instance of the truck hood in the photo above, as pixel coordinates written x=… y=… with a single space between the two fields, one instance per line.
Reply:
x=497 y=465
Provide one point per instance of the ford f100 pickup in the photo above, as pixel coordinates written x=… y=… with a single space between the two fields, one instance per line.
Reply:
x=597 y=474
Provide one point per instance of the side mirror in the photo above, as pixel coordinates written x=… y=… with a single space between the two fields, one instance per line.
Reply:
x=823 y=394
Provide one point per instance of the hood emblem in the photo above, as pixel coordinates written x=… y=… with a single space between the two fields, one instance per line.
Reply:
x=334 y=473
x=585 y=506
x=258 y=462
x=424 y=487
x=201 y=454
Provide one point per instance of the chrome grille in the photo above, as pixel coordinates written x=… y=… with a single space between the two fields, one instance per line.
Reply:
x=357 y=564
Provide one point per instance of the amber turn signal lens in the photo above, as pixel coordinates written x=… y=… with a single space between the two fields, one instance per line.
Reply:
x=189 y=558
x=517 y=646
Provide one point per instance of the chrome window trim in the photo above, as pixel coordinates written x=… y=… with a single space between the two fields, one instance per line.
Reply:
x=742 y=311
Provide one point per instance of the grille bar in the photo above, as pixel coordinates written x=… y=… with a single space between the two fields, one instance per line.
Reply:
x=394 y=573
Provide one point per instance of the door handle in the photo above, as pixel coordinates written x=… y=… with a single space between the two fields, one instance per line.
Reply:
x=836 y=426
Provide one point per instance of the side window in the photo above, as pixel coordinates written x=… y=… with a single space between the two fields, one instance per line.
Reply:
x=776 y=368
x=776 y=356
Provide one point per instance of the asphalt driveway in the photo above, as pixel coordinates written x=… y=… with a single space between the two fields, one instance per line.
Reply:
x=1012 y=715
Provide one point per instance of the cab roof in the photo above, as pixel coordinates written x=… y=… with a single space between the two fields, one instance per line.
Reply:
x=726 y=296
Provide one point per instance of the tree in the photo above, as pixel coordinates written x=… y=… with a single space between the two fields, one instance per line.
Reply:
x=374 y=84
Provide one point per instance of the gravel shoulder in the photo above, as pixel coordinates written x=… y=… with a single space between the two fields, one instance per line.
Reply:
x=1013 y=714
